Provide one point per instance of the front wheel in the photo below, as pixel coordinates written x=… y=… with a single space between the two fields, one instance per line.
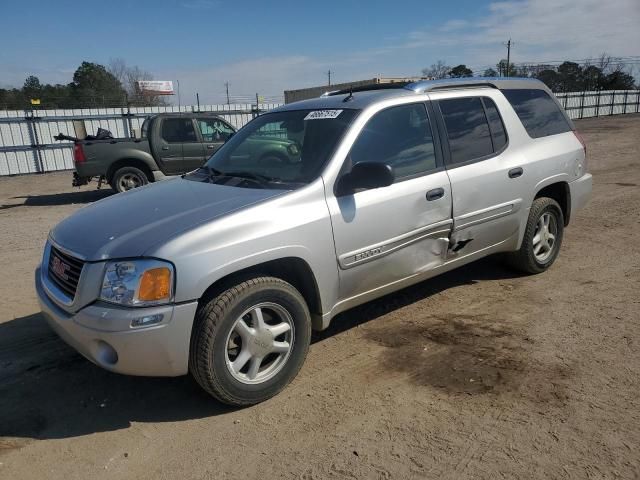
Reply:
x=250 y=341
x=542 y=237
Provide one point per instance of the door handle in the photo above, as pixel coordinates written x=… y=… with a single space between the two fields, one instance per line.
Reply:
x=435 y=194
x=165 y=148
x=211 y=147
x=515 y=172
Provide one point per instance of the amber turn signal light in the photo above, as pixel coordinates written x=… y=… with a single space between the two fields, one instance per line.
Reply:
x=155 y=284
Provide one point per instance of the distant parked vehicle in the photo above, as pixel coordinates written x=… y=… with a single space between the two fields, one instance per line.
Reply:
x=170 y=144
x=223 y=273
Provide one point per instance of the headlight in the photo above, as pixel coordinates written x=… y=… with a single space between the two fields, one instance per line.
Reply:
x=138 y=283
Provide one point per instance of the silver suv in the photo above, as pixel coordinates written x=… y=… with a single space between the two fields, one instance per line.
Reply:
x=224 y=272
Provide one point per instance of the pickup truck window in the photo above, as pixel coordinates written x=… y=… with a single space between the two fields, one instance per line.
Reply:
x=214 y=130
x=400 y=137
x=290 y=147
x=178 y=130
x=467 y=129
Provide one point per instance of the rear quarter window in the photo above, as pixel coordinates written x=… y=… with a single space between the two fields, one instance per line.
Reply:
x=538 y=112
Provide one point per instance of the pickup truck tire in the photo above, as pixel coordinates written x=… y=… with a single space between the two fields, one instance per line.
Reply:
x=126 y=178
x=542 y=237
x=250 y=341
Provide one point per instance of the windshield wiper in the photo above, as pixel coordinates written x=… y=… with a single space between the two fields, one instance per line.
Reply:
x=251 y=176
x=212 y=172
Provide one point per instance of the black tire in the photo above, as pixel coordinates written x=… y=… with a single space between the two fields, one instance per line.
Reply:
x=126 y=178
x=526 y=259
x=214 y=324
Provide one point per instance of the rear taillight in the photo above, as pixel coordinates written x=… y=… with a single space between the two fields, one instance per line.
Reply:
x=78 y=154
x=581 y=140
x=583 y=166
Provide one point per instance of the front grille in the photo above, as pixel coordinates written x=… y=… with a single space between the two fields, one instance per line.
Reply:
x=64 y=271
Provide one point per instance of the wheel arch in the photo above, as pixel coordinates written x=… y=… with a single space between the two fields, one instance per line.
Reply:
x=561 y=193
x=293 y=270
x=129 y=162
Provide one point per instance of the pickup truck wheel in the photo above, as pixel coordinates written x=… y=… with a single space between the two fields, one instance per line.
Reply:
x=542 y=237
x=127 y=178
x=250 y=341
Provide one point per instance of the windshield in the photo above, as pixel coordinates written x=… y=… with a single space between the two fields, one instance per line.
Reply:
x=289 y=148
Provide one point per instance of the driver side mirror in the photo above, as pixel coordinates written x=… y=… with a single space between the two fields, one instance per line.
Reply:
x=365 y=176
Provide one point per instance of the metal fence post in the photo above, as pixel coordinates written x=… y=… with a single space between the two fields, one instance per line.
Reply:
x=598 y=103
x=582 y=104
x=626 y=93
x=613 y=101
x=31 y=119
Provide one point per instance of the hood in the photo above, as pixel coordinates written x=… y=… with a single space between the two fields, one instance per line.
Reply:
x=130 y=223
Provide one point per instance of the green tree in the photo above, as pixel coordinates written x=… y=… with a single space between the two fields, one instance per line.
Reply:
x=550 y=78
x=437 y=70
x=490 y=72
x=570 y=75
x=618 y=80
x=94 y=85
x=32 y=87
x=592 y=78
x=502 y=69
x=460 y=71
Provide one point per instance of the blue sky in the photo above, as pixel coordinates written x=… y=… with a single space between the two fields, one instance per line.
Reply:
x=265 y=47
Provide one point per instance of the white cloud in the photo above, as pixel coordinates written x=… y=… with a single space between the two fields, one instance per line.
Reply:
x=540 y=30
x=267 y=76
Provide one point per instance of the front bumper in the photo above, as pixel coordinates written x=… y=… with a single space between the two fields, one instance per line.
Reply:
x=102 y=333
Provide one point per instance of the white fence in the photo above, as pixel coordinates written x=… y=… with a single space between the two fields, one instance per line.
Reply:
x=26 y=138
x=27 y=144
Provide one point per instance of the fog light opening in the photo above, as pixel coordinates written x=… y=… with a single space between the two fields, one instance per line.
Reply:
x=147 y=320
x=106 y=354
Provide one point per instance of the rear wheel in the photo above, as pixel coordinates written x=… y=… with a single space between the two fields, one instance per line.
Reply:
x=542 y=237
x=250 y=341
x=126 y=178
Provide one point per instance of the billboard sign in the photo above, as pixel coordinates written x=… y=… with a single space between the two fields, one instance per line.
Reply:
x=155 y=87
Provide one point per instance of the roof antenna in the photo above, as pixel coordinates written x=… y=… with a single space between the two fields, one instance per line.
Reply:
x=350 y=96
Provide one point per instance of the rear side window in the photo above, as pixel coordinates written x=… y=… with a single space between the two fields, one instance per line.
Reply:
x=467 y=129
x=498 y=134
x=538 y=112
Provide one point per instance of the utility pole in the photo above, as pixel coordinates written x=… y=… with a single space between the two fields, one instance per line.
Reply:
x=508 y=56
x=179 y=102
x=329 y=75
x=226 y=84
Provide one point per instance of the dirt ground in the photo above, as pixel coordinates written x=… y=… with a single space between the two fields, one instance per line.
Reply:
x=480 y=373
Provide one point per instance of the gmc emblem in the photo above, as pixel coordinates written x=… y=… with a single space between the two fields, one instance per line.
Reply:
x=59 y=268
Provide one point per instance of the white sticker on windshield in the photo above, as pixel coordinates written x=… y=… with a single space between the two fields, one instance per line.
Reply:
x=322 y=114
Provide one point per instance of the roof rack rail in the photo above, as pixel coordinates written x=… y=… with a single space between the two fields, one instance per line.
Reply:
x=366 y=88
x=470 y=82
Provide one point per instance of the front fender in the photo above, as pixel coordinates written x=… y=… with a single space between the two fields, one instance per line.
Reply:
x=293 y=225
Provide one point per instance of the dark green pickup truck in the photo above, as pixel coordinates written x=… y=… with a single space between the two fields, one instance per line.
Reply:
x=170 y=144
